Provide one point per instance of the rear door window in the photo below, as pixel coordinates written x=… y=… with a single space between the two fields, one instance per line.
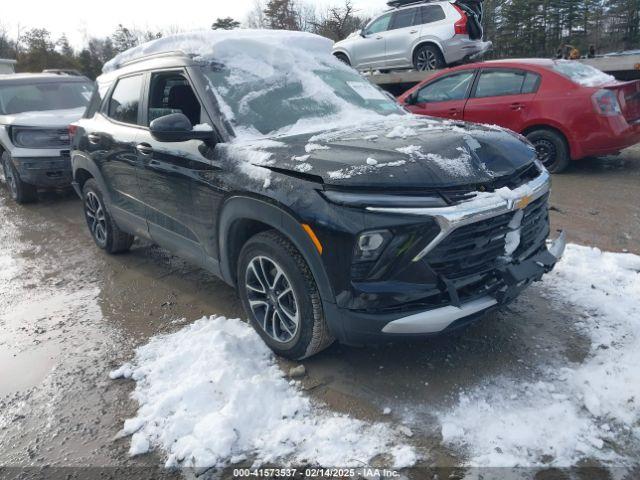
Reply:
x=404 y=18
x=498 y=83
x=430 y=14
x=124 y=105
x=449 y=88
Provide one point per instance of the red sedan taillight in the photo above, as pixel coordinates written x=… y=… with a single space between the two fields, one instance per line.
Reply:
x=606 y=103
x=461 y=25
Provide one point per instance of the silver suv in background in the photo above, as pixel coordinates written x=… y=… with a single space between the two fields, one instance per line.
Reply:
x=424 y=35
x=35 y=112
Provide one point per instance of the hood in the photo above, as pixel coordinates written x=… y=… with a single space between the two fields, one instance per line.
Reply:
x=406 y=152
x=49 y=118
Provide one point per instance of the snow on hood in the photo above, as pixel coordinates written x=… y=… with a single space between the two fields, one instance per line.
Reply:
x=49 y=118
x=204 y=44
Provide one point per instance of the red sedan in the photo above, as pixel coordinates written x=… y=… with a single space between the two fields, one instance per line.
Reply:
x=568 y=110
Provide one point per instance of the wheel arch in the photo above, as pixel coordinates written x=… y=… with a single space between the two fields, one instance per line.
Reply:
x=83 y=170
x=243 y=217
x=422 y=43
x=341 y=51
x=554 y=128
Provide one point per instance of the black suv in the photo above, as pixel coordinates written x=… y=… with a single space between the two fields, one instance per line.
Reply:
x=335 y=213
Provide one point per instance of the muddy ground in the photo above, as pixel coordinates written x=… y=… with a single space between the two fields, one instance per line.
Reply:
x=69 y=314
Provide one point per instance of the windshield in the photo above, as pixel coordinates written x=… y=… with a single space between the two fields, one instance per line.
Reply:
x=582 y=74
x=288 y=97
x=40 y=97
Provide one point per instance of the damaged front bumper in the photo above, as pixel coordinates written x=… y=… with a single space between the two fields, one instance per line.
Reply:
x=516 y=278
x=461 y=289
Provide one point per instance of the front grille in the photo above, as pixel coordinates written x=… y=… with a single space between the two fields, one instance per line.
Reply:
x=468 y=257
x=458 y=195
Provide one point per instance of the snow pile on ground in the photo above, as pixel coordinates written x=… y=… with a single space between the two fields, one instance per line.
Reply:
x=578 y=411
x=211 y=395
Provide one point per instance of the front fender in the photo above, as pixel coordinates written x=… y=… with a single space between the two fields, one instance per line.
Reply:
x=238 y=208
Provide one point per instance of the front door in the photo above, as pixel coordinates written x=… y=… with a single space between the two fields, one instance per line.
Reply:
x=170 y=170
x=369 y=51
x=503 y=97
x=444 y=97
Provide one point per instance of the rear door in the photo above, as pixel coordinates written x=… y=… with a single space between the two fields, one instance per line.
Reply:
x=112 y=136
x=503 y=97
x=369 y=51
x=402 y=34
x=445 y=96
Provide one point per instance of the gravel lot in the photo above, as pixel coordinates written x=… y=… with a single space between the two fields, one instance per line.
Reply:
x=70 y=314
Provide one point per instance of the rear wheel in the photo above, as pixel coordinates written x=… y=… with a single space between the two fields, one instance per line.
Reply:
x=428 y=57
x=104 y=230
x=21 y=192
x=551 y=148
x=280 y=296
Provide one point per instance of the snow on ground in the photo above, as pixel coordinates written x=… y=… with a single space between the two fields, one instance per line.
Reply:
x=211 y=395
x=587 y=410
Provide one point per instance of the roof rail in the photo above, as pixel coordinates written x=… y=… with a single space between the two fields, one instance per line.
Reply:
x=151 y=56
x=405 y=3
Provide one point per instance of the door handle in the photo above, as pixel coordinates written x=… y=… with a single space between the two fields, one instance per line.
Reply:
x=94 y=138
x=144 y=149
x=454 y=111
x=413 y=31
x=379 y=38
x=517 y=106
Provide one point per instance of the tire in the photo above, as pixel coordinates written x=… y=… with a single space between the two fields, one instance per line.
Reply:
x=551 y=148
x=428 y=57
x=21 y=192
x=286 y=312
x=104 y=231
x=343 y=58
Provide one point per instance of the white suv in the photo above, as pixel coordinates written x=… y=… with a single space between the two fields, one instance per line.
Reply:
x=424 y=35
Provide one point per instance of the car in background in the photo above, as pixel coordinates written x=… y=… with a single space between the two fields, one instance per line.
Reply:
x=425 y=35
x=568 y=110
x=334 y=212
x=35 y=112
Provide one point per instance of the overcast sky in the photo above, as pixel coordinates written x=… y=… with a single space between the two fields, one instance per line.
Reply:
x=80 y=19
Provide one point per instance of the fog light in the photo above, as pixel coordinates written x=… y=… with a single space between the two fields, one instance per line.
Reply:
x=370 y=245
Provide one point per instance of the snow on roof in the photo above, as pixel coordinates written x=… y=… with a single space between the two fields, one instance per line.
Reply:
x=205 y=44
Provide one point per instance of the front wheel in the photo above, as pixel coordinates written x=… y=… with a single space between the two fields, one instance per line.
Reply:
x=280 y=296
x=103 y=229
x=428 y=57
x=21 y=192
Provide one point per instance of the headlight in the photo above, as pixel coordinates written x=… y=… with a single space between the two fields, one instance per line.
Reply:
x=370 y=245
x=37 y=138
x=350 y=199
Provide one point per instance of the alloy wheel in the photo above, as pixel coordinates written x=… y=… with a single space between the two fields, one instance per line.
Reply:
x=426 y=60
x=96 y=218
x=546 y=152
x=272 y=299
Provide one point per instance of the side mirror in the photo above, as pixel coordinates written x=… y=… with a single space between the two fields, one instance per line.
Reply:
x=411 y=99
x=363 y=34
x=176 y=127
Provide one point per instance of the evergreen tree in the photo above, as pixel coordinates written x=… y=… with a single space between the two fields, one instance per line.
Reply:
x=226 y=23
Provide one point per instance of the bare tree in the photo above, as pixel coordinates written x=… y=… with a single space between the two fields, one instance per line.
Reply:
x=255 y=18
x=337 y=23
